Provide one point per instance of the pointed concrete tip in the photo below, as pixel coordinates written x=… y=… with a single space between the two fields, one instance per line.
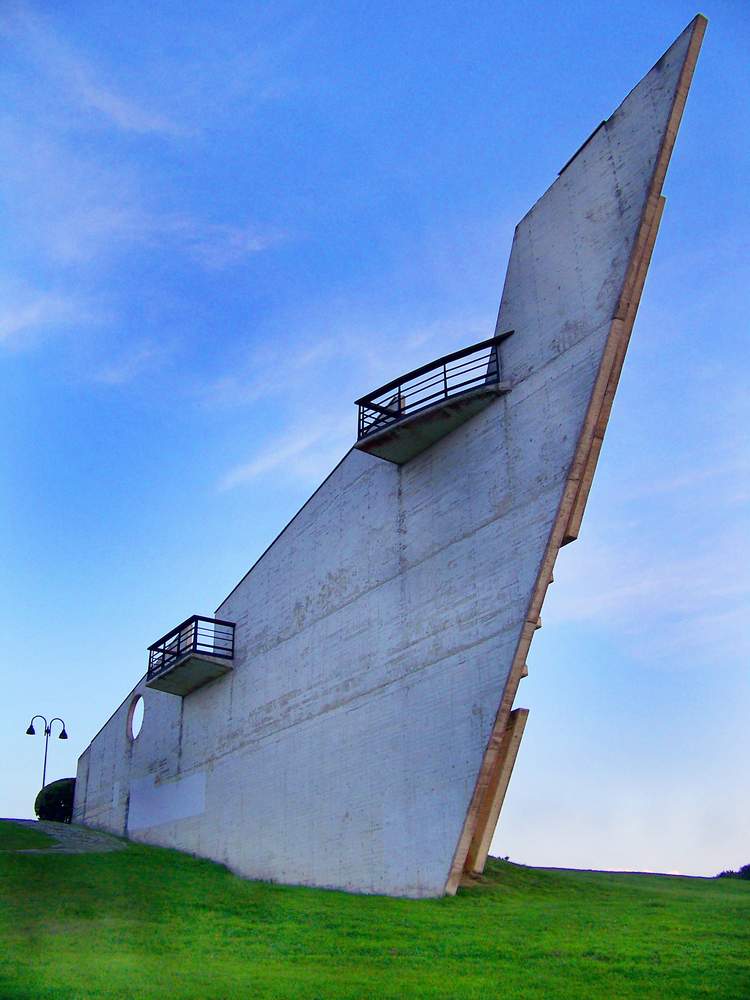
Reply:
x=700 y=21
x=682 y=53
x=698 y=25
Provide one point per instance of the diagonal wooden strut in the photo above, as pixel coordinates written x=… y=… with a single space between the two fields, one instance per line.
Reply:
x=497 y=786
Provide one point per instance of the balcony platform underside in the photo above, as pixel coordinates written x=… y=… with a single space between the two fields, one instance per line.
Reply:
x=189 y=673
x=405 y=439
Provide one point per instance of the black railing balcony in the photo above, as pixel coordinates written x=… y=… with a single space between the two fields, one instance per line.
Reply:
x=446 y=384
x=197 y=639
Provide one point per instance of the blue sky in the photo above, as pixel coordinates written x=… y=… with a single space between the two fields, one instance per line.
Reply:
x=222 y=225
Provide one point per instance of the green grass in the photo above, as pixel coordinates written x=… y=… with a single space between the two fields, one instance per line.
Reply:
x=146 y=922
x=17 y=837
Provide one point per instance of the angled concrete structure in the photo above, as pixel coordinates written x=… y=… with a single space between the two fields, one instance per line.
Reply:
x=363 y=735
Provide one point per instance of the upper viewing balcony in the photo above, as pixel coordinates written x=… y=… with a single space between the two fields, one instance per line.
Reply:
x=408 y=415
x=192 y=654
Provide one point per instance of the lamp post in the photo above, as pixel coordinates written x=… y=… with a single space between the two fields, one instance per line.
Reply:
x=47 y=730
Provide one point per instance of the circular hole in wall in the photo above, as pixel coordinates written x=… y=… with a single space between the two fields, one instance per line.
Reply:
x=135 y=717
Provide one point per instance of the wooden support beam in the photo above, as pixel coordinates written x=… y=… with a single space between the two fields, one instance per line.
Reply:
x=489 y=810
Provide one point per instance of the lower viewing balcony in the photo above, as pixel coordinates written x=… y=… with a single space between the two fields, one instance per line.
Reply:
x=192 y=654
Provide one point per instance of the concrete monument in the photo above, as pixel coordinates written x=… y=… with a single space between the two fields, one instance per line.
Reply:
x=347 y=719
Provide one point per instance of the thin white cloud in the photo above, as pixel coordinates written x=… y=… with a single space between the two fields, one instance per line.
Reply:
x=666 y=602
x=71 y=208
x=262 y=377
x=29 y=312
x=129 y=365
x=119 y=110
x=692 y=479
x=320 y=375
x=306 y=453
x=82 y=211
x=32 y=35
x=214 y=245
x=338 y=346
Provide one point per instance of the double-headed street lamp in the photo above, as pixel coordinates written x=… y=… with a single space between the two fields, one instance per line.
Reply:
x=47 y=730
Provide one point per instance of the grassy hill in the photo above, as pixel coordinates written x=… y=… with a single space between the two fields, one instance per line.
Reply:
x=145 y=922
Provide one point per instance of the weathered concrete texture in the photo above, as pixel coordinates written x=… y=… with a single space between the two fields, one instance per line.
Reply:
x=361 y=739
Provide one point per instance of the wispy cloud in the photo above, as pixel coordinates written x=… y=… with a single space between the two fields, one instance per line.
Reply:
x=83 y=211
x=70 y=208
x=120 y=111
x=666 y=602
x=343 y=353
x=320 y=375
x=304 y=453
x=130 y=364
x=214 y=245
x=82 y=202
x=693 y=479
x=27 y=312
x=259 y=375
x=32 y=35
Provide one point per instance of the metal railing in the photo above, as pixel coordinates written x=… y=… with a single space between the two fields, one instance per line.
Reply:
x=450 y=376
x=198 y=634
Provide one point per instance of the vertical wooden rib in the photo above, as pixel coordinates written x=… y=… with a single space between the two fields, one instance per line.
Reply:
x=622 y=333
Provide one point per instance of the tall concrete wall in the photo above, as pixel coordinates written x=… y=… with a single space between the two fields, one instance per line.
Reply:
x=343 y=748
x=357 y=742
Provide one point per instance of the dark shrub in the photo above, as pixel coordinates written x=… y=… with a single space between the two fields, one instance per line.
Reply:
x=55 y=801
x=743 y=872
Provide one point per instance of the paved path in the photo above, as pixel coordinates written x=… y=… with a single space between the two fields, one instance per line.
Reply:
x=71 y=839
